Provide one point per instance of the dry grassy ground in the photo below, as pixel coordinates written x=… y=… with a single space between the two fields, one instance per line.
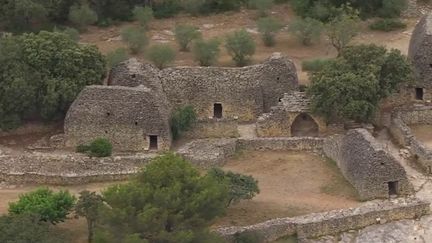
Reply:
x=423 y=133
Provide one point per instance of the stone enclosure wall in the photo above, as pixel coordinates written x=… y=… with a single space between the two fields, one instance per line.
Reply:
x=367 y=165
x=333 y=222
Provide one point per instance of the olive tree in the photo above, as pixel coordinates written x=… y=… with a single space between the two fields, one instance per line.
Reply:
x=268 y=28
x=185 y=34
x=240 y=46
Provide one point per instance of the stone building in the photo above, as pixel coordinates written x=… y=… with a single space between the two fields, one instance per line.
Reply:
x=367 y=165
x=291 y=117
x=420 y=53
x=133 y=119
x=223 y=93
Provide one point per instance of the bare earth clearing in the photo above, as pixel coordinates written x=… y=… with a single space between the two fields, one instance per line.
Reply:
x=423 y=133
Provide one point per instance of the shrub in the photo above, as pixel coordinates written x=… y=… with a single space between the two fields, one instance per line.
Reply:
x=240 y=46
x=392 y=8
x=182 y=120
x=82 y=148
x=268 y=27
x=135 y=38
x=100 y=147
x=72 y=33
x=240 y=186
x=306 y=30
x=161 y=55
x=166 y=8
x=262 y=6
x=143 y=15
x=204 y=7
x=82 y=16
x=314 y=65
x=185 y=34
x=168 y=201
x=248 y=237
x=50 y=206
x=387 y=25
x=117 y=56
x=205 y=52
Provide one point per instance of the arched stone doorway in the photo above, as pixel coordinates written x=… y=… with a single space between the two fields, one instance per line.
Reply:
x=304 y=126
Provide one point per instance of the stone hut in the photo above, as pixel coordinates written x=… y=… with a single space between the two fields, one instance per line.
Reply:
x=291 y=117
x=133 y=119
x=367 y=165
x=420 y=53
x=223 y=93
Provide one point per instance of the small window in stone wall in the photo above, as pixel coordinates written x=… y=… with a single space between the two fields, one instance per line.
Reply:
x=393 y=188
x=153 y=145
x=217 y=110
x=419 y=92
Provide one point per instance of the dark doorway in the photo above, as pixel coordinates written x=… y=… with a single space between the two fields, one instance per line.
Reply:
x=419 y=93
x=153 y=142
x=217 y=110
x=304 y=126
x=393 y=188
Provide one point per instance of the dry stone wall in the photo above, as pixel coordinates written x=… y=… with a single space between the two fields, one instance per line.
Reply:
x=333 y=222
x=367 y=165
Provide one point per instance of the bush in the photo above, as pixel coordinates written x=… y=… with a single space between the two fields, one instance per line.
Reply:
x=392 y=8
x=143 y=15
x=166 y=8
x=72 y=33
x=205 y=52
x=117 y=56
x=161 y=55
x=314 y=65
x=82 y=16
x=306 y=30
x=135 y=38
x=248 y=237
x=100 y=147
x=240 y=46
x=204 y=7
x=262 y=6
x=168 y=201
x=182 y=120
x=240 y=186
x=387 y=25
x=185 y=34
x=268 y=27
x=48 y=205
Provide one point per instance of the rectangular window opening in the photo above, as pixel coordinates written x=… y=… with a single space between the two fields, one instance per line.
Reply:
x=217 y=110
x=419 y=93
x=393 y=188
x=153 y=142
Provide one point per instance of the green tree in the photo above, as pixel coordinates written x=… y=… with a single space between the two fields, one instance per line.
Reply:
x=161 y=55
x=241 y=187
x=262 y=6
x=185 y=34
x=82 y=16
x=51 y=206
x=143 y=15
x=343 y=28
x=351 y=86
x=206 y=52
x=306 y=30
x=135 y=38
x=169 y=201
x=117 y=56
x=269 y=27
x=21 y=15
x=240 y=46
x=88 y=206
x=182 y=120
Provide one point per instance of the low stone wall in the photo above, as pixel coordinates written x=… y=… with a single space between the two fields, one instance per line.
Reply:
x=367 y=165
x=333 y=222
x=282 y=143
x=213 y=129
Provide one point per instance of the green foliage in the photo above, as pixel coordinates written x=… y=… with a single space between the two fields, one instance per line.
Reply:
x=82 y=16
x=72 y=33
x=25 y=228
x=343 y=28
x=204 y=7
x=100 y=147
x=50 y=206
x=314 y=65
x=135 y=38
x=88 y=206
x=185 y=34
x=182 y=120
x=206 y=52
x=262 y=6
x=169 y=201
x=268 y=27
x=143 y=15
x=387 y=25
x=240 y=46
x=166 y=8
x=241 y=187
x=161 y=55
x=22 y=15
x=351 y=86
x=41 y=74
x=392 y=8
x=248 y=237
x=82 y=148
x=306 y=30
x=117 y=56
